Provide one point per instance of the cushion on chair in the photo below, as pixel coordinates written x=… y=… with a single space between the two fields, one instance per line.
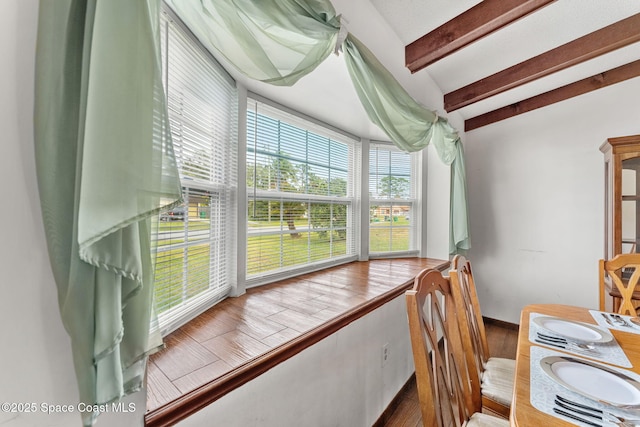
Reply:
x=501 y=368
x=484 y=420
x=497 y=379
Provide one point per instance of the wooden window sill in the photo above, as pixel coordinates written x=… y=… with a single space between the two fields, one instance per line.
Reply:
x=240 y=338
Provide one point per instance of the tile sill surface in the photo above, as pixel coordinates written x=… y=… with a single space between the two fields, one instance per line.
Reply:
x=241 y=337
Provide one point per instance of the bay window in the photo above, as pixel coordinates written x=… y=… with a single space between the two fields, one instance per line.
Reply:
x=303 y=182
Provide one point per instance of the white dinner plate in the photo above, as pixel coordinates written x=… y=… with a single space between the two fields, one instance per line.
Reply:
x=576 y=331
x=592 y=380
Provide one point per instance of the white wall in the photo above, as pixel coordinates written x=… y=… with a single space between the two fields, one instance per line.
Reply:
x=340 y=381
x=536 y=191
x=35 y=356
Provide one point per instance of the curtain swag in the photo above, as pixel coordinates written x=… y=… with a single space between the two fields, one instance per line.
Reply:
x=105 y=166
x=280 y=42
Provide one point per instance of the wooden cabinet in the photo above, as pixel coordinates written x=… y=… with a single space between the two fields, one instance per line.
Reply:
x=622 y=201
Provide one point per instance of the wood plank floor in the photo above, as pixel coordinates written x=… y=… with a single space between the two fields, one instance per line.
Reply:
x=503 y=340
x=237 y=330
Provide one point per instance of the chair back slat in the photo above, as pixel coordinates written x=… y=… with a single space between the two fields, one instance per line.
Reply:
x=623 y=271
x=444 y=386
x=472 y=329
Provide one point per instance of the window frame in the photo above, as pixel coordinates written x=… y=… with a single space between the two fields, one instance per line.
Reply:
x=293 y=118
x=412 y=201
x=197 y=177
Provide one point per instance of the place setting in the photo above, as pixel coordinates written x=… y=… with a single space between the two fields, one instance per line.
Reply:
x=579 y=338
x=583 y=392
x=589 y=415
x=616 y=321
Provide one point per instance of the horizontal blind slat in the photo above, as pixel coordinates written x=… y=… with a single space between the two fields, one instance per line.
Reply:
x=391 y=200
x=195 y=261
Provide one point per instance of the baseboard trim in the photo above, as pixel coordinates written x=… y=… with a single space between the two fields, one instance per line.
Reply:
x=395 y=402
x=501 y=323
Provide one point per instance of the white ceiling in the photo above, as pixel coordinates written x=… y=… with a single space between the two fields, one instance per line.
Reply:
x=552 y=26
x=328 y=93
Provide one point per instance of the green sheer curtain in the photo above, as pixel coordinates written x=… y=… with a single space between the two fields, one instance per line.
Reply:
x=411 y=127
x=105 y=166
x=280 y=42
x=276 y=42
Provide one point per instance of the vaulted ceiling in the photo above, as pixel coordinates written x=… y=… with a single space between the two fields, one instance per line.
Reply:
x=499 y=58
x=552 y=25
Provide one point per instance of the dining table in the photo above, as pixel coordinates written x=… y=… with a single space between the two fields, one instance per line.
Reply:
x=575 y=366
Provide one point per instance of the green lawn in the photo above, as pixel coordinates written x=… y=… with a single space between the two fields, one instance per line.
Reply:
x=264 y=254
x=170 y=271
x=179 y=225
x=388 y=239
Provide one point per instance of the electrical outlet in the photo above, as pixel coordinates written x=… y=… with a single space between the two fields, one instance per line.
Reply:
x=385 y=354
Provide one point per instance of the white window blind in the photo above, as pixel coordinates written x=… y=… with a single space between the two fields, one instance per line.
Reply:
x=196 y=241
x=391 y=200
x=300 y=179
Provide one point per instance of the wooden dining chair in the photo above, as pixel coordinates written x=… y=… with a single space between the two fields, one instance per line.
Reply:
x=623 y=271
x=444 y=386
x=496 y=374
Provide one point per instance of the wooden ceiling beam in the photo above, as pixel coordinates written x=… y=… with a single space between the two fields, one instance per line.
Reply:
x=483 y=19
x=605 y=40
x=607 y=78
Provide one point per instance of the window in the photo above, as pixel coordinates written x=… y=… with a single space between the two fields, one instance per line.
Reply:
x=391 y=200
x=196 y=241
x=300 y=179
x=304 y=178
